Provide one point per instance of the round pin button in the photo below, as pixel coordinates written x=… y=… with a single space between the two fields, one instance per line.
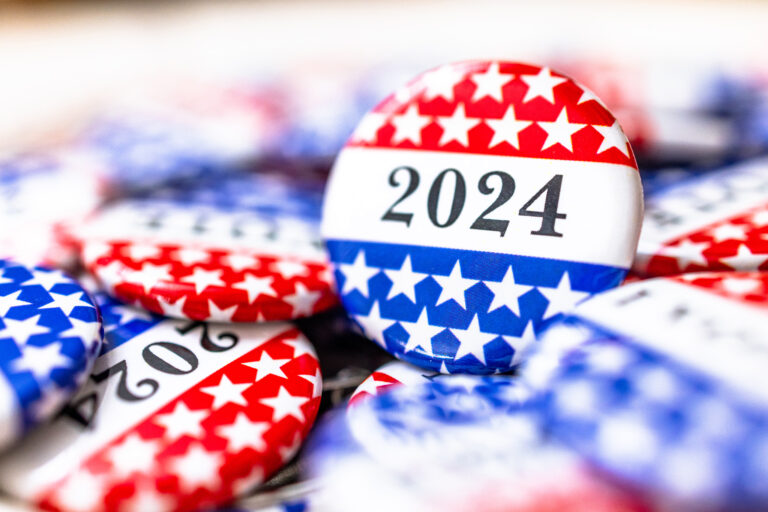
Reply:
x=475 y=204
x=177 y=415
x=408 y=449
x=660 y=382
x=50 y=335
x=717 y=220
x=392 y=374
x=255 y=259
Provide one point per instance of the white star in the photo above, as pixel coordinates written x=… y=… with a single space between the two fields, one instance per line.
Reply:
x=739 y=285
x=472 y=340
x=562 y=298
x=507 y=293
x=370 y=386
x=88 y=332
x=286 y=404
x=67 y=302
x=613 y=137
x=404 y=280
x=440 y=82
x=240 y=262
x=577 y=399
x=21 y=330
x=420 y=333
x=192 y=255
x=728 y=232
x=217 y=314
x=373 y=325
x=142 y=251
x=303 y=300
x=182 y=421
x=128 y=314
x=289 y=269
x=357 y=274
x=256 y=286
x=267 y=366
x=368 y=128
x=82 y=491
x=745 y=259
x=173 y=310
x=41 y=360
x=507 y=128
x=300 y=347
x=112 y=274
x=226 y=392
x=560 y=131
x=11 y=300
x=685 y=253
x=95 y=250
x=5 y=280
x=198 y=468
x=149 y=276
x=133 y=454
x=408 y=126
x=202 y=279
x=454 y=286
x=542 y=84
x=244 y=433
x=457 y=126
x=48 y=279
x=316 y=380
x=760 y=218
x=147 y=500
x=520 y=344
x=587 y=95
x=490 y=83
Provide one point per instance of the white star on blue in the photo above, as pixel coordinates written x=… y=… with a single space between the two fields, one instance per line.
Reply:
x=471 y=311
x=49 y=336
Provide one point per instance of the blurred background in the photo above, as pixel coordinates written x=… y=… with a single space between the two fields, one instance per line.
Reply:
x=129 y=96
x=61 y=62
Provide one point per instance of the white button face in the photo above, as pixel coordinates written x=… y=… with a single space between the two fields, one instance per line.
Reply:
x=475 y=204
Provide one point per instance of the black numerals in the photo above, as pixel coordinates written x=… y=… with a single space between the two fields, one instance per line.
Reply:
x=123 y=391
x=494 y=182
x=459 y=197
x=550 y=214
x=413 y=183
x=507 y=189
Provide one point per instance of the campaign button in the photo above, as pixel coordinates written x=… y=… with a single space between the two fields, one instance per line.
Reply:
x=50 y=335
x=473 y=206
x=177 y=415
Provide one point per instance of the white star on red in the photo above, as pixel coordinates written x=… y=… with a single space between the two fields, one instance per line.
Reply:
x=507 y=129
x=541 y=85
x=202 y=279
x=286 y=404
x=226 y=392
x=490 y=83
x=408 y=125
x=457 y=126
x=560 y=131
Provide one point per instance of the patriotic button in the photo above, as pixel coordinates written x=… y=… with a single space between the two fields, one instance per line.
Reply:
x=717 y=221
x=177 y=415
x=474 y=205
x=50 y=335
x=409 y=448
x=661 y=382
x=392 y=374
x=190 y=259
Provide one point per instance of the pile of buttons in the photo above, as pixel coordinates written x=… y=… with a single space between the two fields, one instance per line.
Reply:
x=485 y=297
